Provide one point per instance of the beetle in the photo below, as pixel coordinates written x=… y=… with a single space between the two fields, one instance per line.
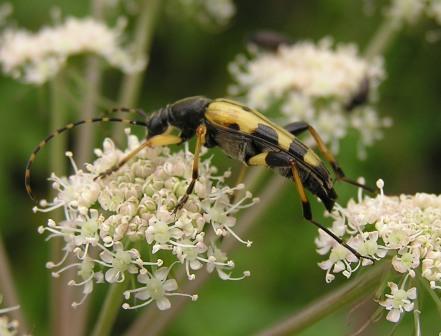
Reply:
x=243 y=134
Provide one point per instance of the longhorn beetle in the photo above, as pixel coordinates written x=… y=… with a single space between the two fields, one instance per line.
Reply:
x=245 y=135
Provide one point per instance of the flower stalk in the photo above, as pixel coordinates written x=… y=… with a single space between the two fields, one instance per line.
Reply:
x=110 y=309
x=60 y=304
x=131 y=84
x=7 y=288
x=88 y=110
x=85 y=142
x=383 y=37
x=327 y=304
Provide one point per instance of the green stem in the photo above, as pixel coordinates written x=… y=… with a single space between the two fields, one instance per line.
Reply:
x=131 y=85
x=416 y=318
x=60 y=305
x=85 y=139
x=110 y=309
x=84 y=146
x=100 y=101
x=383 y=37
x=327 y=304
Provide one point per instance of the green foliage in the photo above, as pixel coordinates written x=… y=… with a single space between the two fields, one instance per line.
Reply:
x=187 y=60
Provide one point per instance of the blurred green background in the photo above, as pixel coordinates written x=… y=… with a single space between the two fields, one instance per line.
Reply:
x=188 y=60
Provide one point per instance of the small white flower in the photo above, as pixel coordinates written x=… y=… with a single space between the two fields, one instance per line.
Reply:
x=217 y=260
x=407 y=261
x=88 y=276
x=398 y=301
x=432 y=267
x=121 y=262
x=157 y=288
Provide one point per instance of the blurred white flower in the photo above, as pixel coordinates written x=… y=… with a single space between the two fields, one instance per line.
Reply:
x=211 y=13
x=319 y=83
x=409 y=11
x=434 y=10
x=36 y=57
x=405 y=228
x=117 y=225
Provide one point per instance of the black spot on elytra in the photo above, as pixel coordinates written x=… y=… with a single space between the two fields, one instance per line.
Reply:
x=297 y=149
x=234 y=126
x=275 y=159
x=267 y=133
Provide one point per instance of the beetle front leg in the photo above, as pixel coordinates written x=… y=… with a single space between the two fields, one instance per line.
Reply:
x=157 y=140
x=201 y=131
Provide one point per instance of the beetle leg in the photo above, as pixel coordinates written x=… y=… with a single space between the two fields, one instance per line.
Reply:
x=298 y=127
x=307 y=213
x=201 y=131
x=157 y=140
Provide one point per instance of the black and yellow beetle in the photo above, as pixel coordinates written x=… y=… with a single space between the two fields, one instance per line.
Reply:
x=245 y=135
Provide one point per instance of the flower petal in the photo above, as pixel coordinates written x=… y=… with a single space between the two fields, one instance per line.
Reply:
x=170 y=285
x=163 y=303
x=393 y=315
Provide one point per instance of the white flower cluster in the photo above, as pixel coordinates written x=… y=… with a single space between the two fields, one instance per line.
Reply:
x=37 y=57
x=405 y=228
x=409 y=11
x=206 y=12
x=124 y=226
x=314 y=82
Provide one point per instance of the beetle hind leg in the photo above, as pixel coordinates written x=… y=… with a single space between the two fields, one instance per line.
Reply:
x=296 y=128
x=307 y=213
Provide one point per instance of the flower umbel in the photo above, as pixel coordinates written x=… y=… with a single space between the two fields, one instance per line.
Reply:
x=123 y=225
x=36 y=57
x=314 y=82
x=406 y=229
